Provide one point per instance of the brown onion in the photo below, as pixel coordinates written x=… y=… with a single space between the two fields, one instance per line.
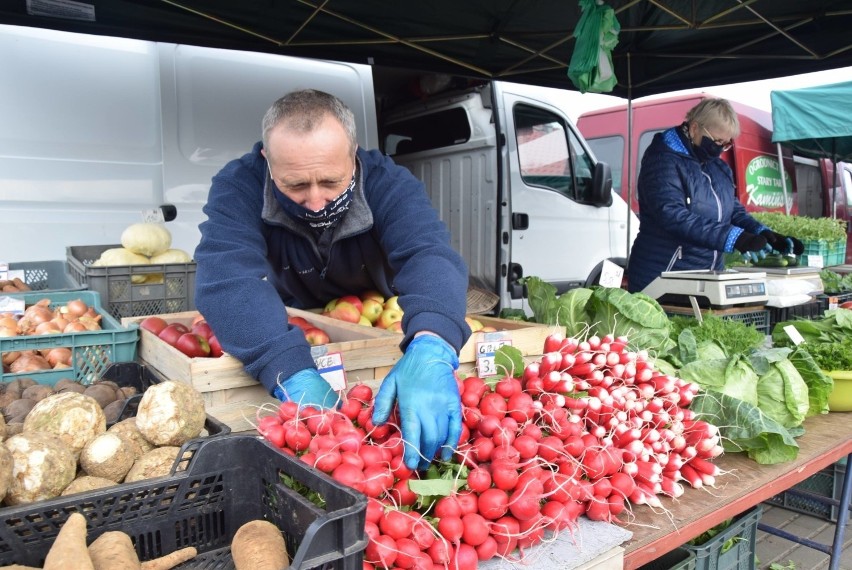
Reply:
x=10 y=357
x=76 y=307
x=59 y=356
x=76 y=326
x=29 y=362
x=48 y=327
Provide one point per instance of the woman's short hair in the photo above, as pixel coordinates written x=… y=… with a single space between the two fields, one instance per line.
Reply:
x=715 y=113
x=305 y=109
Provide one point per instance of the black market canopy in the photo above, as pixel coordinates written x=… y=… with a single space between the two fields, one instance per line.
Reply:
x=663 y=45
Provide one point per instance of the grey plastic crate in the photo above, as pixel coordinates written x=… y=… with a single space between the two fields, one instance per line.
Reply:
x=811 y=495
x=732 y=549
x=121 y=297
x=46 y=276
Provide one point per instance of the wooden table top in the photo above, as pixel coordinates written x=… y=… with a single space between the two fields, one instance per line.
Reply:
x=742 y=485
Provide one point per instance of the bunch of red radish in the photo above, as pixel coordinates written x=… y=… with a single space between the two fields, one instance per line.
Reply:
x=590 y=428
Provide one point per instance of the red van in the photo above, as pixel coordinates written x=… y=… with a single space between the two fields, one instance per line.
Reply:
x=807 y=188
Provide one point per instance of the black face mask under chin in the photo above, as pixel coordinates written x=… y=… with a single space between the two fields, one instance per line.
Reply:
x=707 y=149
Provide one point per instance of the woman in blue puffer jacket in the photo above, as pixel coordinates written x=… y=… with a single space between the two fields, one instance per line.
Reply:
x=688 y=209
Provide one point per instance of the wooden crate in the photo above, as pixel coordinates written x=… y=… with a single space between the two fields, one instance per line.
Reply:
x=231 y=395
x=526 y=337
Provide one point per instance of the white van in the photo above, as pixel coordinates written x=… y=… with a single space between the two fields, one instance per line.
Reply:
x=97 y=130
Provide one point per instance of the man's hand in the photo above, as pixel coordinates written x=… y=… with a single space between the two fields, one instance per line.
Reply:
x=307 y=388
x=424 y=384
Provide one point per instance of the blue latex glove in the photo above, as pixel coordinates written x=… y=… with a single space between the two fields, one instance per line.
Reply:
x=755 y=256
x=307 y=388
x=429 y=403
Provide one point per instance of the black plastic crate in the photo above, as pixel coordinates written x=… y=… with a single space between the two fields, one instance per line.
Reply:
x=677 y=559
x=739 y=542
x=814 y=495
x=46 y=276
x=810 y=310
x=221 y=484
x=825 y=299
x=164 y=287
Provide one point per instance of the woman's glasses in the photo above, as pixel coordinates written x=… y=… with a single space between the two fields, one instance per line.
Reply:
x=726 y=145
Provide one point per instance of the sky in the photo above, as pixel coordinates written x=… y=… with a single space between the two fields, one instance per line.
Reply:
x=753 y=93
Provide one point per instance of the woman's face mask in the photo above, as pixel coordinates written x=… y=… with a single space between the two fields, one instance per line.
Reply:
x=708 y=149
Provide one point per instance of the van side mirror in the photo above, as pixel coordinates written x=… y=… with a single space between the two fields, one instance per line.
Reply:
x=169 y=212
x=601 y=194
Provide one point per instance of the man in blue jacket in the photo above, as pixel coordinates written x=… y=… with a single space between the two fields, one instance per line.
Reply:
x=306 y=217
x=688 y=209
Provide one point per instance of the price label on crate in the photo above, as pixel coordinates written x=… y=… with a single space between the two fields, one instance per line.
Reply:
x=330 y=366
x=485 y=351
x=815 y=261
x=10 y=305
x=154 y=215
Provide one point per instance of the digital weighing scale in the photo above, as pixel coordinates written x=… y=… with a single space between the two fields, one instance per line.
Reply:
x=709 y=288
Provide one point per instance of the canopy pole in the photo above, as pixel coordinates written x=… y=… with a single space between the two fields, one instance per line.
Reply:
x=626 y=177
x=834 y=176
x=783 y=178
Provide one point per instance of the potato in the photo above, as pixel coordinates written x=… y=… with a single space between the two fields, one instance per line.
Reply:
x=171 y=413
x=14 y=428
x=109 y=456
x=155 y=463
x=6 y=464
x=128 y=391
x=75 y=419
x=37 y=393
x=42 y=467
x=20 y=384
x=85 y=483
x=6 y=398
x=128 y=430
x=102 y=393
x=2 y=429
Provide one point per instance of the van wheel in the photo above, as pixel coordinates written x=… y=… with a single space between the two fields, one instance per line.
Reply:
x=595 y=275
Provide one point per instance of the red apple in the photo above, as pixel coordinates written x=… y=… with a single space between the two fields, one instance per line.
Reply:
x=354 y=299
x=202 y=329
x=395 y=326
x=193 y=345
x=173 y=332
x=300 y=322
x=215 y=348
x=153 y=324
x=316 y=336
x=345 y=311
x=372 y=294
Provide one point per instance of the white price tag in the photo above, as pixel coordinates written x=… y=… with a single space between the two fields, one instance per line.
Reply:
x=10 y=305
x=611 y=274
x=815 y=261
x=4 y=270
x=19 y=273
x=485 y=352
x=155 y=216
x=794 y=335
x=330 y=367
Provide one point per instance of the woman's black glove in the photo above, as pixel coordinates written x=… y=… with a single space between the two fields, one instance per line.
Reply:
x=783 y=244
x=749 y=242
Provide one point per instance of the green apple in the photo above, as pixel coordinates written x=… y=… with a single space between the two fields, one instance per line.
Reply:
x=371 y=309
x=388 y=317
x=393 y=303
x=330 y=305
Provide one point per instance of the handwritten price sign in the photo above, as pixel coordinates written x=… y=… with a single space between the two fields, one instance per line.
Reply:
x=330 y=367
x=485 y=352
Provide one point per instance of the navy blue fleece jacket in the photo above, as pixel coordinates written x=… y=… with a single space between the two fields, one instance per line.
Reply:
x=688 y=211
x=254 y=259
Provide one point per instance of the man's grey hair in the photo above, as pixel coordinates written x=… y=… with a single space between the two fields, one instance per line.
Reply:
x=304 y=109
x=713 y=113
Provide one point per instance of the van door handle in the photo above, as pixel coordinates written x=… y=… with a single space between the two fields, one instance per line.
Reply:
x=520 y=221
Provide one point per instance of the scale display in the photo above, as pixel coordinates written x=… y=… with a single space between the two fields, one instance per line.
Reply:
x=710 y=288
